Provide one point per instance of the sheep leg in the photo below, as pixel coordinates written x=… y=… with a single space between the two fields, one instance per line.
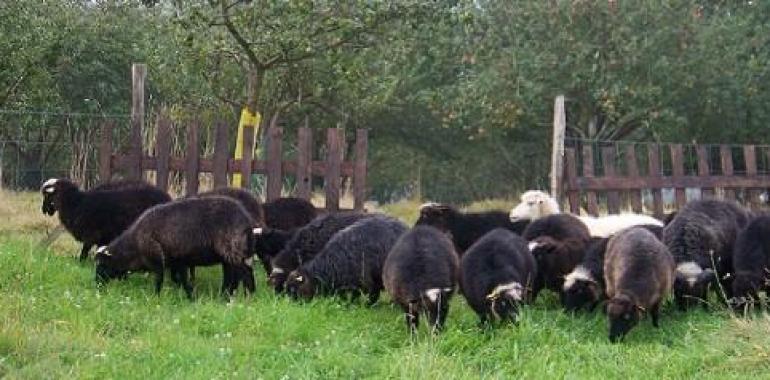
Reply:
x=180 y=277
x=247 y=276
x=374 y=296
x=437 y=313
x=159 y=272
x=412 y=317
x=655 y=314
x=84 y=251
x=229 y=280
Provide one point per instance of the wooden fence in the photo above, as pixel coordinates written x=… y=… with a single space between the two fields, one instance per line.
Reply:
x=622 y=173
x=333 y=168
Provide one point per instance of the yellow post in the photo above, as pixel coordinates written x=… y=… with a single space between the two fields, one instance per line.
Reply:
x=247 y=119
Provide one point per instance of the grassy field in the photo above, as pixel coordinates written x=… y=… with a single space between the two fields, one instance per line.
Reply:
x=55 y=323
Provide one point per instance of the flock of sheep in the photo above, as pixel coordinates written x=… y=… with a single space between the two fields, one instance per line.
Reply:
x=499 y=260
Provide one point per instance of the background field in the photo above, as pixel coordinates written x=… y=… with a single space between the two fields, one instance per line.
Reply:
x=55 y=323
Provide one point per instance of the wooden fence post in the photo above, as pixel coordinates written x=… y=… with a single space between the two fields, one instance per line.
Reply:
x=105 y=152
x=557 y=148
x=192 y=163
x=703 y=169
x=138 y=77
x=273 y=163
x=573 y=195
x=653 y=155
x=163 y=152
x=333 y=163
x=613 y=198
x=304 y=174
x=727 y=168
x=359 y=170
x=750 y=157
x=221 y=155
x=633 y=172
x=677 y=171
x=588 y=172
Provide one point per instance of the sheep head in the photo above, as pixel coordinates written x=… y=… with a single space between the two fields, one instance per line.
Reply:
x=692 y=283
x=106 y=269
x=745 y=288
x=52 y=190
x=300 y=285
x=623 y=315
x=504 y=300
x=534 y=204
x=436 y=215
x=580 y=289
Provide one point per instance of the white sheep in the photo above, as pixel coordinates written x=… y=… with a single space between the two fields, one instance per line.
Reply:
x=536 y=204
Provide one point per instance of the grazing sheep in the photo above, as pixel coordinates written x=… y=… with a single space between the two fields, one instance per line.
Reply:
x=584 y=286
x=351 y=262
x=701 y=238
x=306 y=243
x=537 y=204
x=288 y=213
x=182 y=234
x=497 y=274
x=751 y=262
x=268 y=242
x=466 y=228
x=639 y=273
x=558 y=242
x=97 y=216
x=420 y=274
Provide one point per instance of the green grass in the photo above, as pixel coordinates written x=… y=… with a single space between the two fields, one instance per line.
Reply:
x=55 y=323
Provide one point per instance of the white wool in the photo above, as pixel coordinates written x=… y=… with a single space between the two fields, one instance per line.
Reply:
x=514 y=289
x=257 y=231
x=607 y=226
x=277 y=270
x=249 y=262
x=764 y=197
x=579 y=274
x=433 y=293
x=690 y=270
x=428 y=205
x=534 y=204
x=532 y=245
x=49 y=182
x=101 y=249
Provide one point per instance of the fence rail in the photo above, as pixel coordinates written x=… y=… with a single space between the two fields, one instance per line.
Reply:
x=334 y=169
x=621 y=173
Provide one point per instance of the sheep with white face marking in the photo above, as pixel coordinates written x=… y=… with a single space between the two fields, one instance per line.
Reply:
x=537 y=204
x=558 y=243
x=420 y=274
x=639 y=273
x=288 y=213
x=99 y=215
x=751 y=262
x=497 y=275
x=350 y=263
x=183 y=234
x=584 y=286
x=701 y=238
x=466 y=228
x=306 y=243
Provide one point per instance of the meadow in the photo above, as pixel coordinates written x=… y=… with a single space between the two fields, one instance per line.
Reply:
x=56 y=323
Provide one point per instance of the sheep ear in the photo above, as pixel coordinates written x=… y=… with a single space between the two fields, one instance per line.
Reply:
x=641 y=308
x=300 y=279
x=103 y=251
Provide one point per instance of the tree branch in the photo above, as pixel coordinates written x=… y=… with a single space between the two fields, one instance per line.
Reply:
x=228 y=23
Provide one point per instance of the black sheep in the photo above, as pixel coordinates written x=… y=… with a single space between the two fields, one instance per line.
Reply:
x=420 y=274
x=466 y=228
x=351 y=262
x=97 y=216
x=497 y=275
x=639 y=273
x=701 y=238
x=584 y=286
x=558 y=242
x=182 y=234
x=306 y=243
x=268 y=242
x=751 y=261
x=288 y=213
x=250 y=203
